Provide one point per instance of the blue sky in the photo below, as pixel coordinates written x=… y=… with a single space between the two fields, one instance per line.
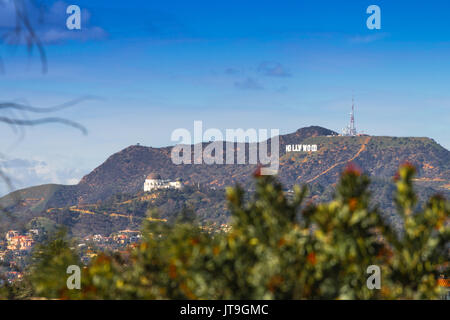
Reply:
x=157 y=66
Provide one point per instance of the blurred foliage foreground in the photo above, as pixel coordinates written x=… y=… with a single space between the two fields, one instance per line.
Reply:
x=278 y=248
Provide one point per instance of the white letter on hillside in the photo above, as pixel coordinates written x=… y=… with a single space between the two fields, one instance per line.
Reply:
x=184 y=146
x=216 y=147
x=240 y=136
x=198 y=142
x=274 y=158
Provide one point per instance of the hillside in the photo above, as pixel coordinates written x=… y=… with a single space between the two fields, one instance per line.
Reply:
x=124 y=172
x=35 y=198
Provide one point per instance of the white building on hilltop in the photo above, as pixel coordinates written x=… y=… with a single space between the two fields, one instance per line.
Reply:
x=154 y=182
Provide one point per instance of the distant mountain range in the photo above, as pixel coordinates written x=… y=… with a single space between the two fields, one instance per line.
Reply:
x=125 y=171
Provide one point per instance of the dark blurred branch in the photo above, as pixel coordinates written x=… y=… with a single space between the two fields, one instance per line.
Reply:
x=23 y=30
x=31 y=38
x=34 y=122
x=24 y=107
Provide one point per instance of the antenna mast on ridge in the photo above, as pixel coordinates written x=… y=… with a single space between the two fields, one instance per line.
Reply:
x=352 y=119
x=350 y=130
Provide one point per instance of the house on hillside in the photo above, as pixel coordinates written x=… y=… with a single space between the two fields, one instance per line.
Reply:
x=155 y=182
x=11 y=234
x=20 y=243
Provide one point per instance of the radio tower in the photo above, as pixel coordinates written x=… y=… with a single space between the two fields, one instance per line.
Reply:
x=350 y=130
x=352 y=119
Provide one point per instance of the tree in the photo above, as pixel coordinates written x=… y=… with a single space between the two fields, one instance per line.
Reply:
x=284 y=249
x=48 y=270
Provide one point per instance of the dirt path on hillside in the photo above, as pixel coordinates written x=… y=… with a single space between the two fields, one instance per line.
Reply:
x=363 y=147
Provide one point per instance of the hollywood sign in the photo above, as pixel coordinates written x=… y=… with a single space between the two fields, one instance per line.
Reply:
x=301 y=147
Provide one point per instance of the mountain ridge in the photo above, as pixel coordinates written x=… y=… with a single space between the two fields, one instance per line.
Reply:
x=124 y=172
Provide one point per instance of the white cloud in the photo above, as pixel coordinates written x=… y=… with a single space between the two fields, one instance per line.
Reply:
x=25 y=173
x=368 y=38
x=273 y=69
x=248 y=84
